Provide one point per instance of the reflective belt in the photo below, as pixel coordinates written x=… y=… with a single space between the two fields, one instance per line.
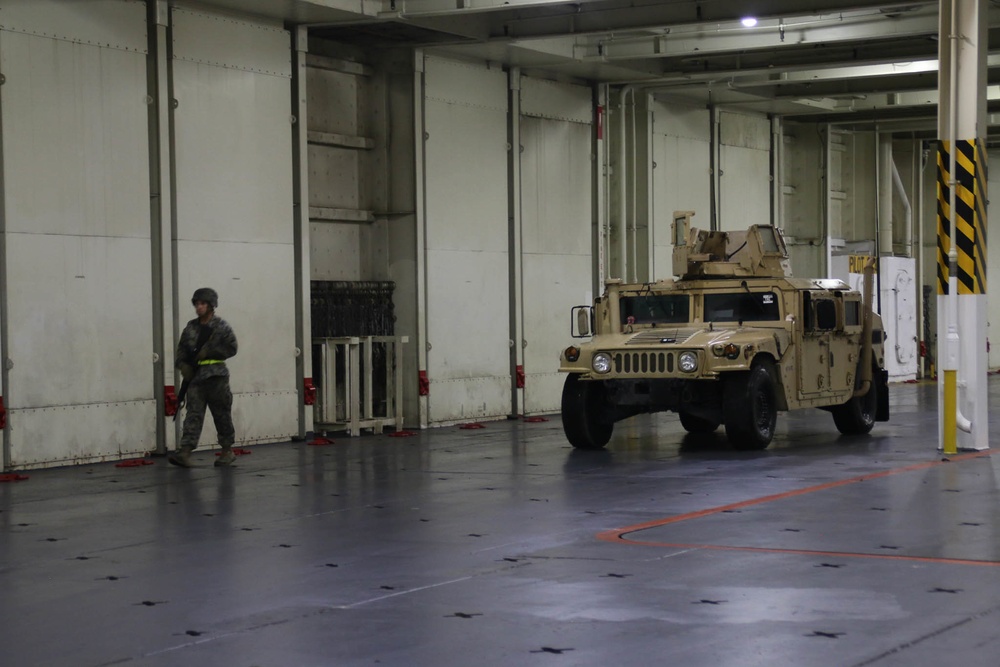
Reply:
x=209 y=362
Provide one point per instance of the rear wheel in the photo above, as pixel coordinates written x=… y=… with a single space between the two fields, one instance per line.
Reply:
x=693 y=424
x=584 y=413
x=750 y=408
x=856 y=416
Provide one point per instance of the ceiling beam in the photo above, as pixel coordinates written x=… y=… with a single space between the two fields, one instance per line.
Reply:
x=772 y=34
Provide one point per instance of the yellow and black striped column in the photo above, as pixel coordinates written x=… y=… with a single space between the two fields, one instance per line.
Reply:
x=970 y=215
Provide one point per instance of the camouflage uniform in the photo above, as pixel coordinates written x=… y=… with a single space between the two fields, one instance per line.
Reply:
x=209 y=379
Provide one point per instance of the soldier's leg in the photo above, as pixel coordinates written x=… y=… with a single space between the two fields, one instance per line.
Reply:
x=194 y=419
x=220 y=401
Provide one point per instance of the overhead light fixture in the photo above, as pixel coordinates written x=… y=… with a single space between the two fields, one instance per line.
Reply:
x=748 y=21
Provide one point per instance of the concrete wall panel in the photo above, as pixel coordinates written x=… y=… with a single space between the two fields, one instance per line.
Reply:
x=333 y=251
x=226 y=41
x=74 y=434
x=558 y=101
x=115 y=24
x=75 y=129
x=333 y=101
x=233 y=155
x=745 y=188
x=77 y=219
x=682 y=177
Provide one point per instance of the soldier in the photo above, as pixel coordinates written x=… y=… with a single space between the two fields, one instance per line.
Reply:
x=206 y=342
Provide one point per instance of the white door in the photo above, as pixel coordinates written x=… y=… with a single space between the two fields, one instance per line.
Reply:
x=467 y=257
x=232 y=83
x=556 y=229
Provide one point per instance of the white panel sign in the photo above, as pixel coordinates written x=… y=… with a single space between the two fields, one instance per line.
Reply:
x=556 y=250
x=234 y=211
x=78 y=249
x=467 y=242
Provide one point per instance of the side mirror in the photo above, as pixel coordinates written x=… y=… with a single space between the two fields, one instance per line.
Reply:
x=581 y=324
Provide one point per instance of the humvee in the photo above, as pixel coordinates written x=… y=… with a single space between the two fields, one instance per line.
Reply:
x=733 y=340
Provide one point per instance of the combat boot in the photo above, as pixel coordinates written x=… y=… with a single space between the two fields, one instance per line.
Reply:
x=226 y=457
x=181 y=457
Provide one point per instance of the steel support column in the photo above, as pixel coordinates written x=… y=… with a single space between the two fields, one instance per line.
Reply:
x=300 y=224
x=162 y=198
x=517 y=370
x=962 y=303
x=420 y=190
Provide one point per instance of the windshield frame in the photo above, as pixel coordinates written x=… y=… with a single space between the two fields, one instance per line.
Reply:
x=630 y=308
x=749 y=306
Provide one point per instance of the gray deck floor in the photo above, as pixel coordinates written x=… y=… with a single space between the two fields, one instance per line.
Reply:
x=503 y=546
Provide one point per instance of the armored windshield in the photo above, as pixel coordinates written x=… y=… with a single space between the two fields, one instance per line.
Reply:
x=742 y=307
x=655 y=309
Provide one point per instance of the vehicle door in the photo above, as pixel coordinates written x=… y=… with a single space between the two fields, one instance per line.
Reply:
x=819 y=311
x=845 y=342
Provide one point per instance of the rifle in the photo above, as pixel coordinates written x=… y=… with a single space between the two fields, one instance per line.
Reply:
x=190 y=360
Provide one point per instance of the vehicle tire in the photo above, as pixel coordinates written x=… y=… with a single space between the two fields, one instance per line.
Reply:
x=693 y=424
x=584 y=413
x=856 y=416
x=750 y=408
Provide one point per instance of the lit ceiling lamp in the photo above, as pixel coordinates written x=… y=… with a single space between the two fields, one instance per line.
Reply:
x=748 y=21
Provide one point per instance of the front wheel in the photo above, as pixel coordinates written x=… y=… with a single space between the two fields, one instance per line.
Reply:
x=856 y=416
x=750 y=408
x=584 y=413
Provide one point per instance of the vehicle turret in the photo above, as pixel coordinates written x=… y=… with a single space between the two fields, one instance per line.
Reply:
x=758 y=252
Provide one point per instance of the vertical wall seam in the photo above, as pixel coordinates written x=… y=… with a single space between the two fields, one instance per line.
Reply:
x=4 y=328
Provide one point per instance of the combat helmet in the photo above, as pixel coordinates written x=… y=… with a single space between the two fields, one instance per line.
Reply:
x=206 y=294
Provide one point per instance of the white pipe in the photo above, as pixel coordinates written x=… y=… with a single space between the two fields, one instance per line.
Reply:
x=906 y=204
x=622 y=189
x=953 y=342
x=635 y=194
x=829 y=202
x=922 y=161
x=884 y=193
x=963 y=423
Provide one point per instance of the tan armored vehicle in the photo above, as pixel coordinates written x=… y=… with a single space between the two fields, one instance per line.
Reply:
x=733 y=341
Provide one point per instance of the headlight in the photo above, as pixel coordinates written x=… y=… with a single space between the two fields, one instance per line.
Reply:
x=688 y=362
x=601 y=362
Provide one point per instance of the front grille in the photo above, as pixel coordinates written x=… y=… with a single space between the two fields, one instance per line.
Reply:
x=662 y=335
x=643 y=362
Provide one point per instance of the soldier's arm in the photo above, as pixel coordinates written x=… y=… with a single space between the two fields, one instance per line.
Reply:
x=221 y=345
x=185 y=346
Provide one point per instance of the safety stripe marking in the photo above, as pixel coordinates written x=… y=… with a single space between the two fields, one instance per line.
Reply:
x=970 y=216
x=617 y=535
x=943 y=214
x=982 y=171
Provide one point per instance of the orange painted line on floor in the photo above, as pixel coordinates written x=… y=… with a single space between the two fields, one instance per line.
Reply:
x=809 y=552
x=617 y=535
